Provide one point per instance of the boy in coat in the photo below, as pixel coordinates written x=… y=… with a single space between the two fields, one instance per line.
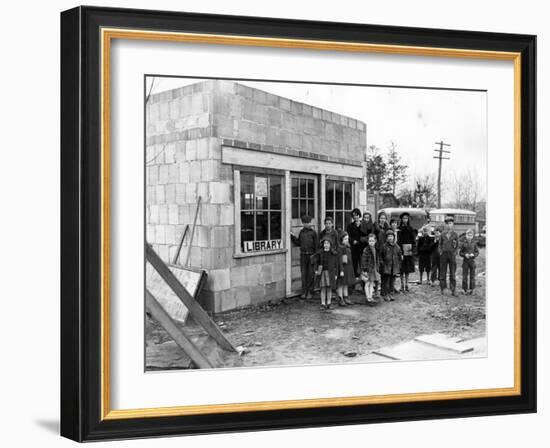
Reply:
x=448 y=247
x=469 y=251
x=308 y=242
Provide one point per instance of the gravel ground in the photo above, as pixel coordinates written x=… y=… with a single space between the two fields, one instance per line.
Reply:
x=298 y=333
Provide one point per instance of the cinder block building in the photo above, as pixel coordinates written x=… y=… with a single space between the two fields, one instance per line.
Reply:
x=258 y=162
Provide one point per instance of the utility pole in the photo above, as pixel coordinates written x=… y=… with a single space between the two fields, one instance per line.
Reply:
x=441 y=156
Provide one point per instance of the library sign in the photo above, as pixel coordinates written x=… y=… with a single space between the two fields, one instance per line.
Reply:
x=259 y=246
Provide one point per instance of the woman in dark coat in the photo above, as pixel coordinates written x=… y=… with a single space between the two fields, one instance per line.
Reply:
x=382 y=228
x=406 y=240
x=356 y=232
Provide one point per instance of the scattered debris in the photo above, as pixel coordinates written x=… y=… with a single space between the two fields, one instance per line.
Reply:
x=241 y=350
x=258 y=344
x=349 y=354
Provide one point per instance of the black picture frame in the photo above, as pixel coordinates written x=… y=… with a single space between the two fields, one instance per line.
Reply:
x=81 y=224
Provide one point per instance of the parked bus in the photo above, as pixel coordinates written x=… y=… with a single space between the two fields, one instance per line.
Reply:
x=464 y=219
x=418 y=216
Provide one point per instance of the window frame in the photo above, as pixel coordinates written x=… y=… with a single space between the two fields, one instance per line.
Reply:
x=238 y=209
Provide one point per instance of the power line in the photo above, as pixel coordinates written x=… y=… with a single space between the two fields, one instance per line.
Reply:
x=441 y=156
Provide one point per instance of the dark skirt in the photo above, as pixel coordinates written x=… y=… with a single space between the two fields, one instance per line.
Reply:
x=407 y=265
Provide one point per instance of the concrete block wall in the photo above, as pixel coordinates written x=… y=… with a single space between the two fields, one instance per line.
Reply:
x=185 y=132
x=252 y=115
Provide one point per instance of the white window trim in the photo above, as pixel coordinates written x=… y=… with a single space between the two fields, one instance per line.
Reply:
x=238 y=253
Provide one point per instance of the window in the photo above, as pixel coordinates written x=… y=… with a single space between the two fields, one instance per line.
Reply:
x=261 y=202
x=339 y=202
x=303 y=197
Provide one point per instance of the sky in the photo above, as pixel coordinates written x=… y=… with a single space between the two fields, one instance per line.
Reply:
x=415 y=119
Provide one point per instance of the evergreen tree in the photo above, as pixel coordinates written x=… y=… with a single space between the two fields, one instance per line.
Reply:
x=396 y=171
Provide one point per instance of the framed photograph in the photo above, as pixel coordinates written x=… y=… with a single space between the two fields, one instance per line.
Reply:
x=274 y=223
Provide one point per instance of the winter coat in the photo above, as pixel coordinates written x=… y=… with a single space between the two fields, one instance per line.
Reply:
x=469 y=247
x=381 y=235
x=425 y=244
x=307 y=240
x=369 y=260
x=347 y=267
x=330 y=261
x=355 y=234
x=448 y=242
x=366 y=229
x=390 y=258
x=406 y=235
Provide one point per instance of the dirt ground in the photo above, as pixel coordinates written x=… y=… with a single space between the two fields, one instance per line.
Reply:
x=298 y=332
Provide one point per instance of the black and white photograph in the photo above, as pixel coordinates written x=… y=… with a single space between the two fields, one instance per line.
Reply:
x=293 y=223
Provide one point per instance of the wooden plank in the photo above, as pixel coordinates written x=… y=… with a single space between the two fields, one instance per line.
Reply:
x=177 y=254
x=198 y=313
x=262 y=159
x=162 y=317
x=445 y=342
x=193 y=231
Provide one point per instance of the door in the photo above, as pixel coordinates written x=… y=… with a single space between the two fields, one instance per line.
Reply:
x=304 y=200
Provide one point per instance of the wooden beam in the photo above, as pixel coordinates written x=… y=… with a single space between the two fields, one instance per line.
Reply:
x=161 y=316
x=193 y=231
x=247 y=157
x=177 y=254
x=198 y=313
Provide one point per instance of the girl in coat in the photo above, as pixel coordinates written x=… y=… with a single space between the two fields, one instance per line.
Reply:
x=348 y=279
x=406 y=241
x=369 y=269
x=327 y=267
x=390 y=257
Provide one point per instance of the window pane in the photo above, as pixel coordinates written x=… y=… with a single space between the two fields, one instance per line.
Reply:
x=339 y=195
x=303 y=188
x=261 y=226
x=275 y=225
x=294 y=187
x=347 y=196
x=339 y=221
x=311 y=208
x=329 y=195
x=260 y=188
x=275 y=193
x=247 y=191
x=303 y=207
x=310 y=189
x=247 y=226
x=295 y=210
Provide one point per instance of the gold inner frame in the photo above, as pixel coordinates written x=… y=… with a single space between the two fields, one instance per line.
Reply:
x=107 y=35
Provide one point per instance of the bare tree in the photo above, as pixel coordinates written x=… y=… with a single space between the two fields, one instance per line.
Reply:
x=465 y=189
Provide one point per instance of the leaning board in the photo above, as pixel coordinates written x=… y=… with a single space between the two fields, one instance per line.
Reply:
x=192 y=281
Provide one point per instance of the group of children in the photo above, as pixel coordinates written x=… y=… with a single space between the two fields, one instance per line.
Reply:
x=373 y=255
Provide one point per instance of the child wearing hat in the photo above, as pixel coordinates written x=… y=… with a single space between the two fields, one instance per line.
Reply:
x=391 y=257
x=348 y=279
x=328 y=267
x=369 y=268
x=469 y=251
x=448 y=246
